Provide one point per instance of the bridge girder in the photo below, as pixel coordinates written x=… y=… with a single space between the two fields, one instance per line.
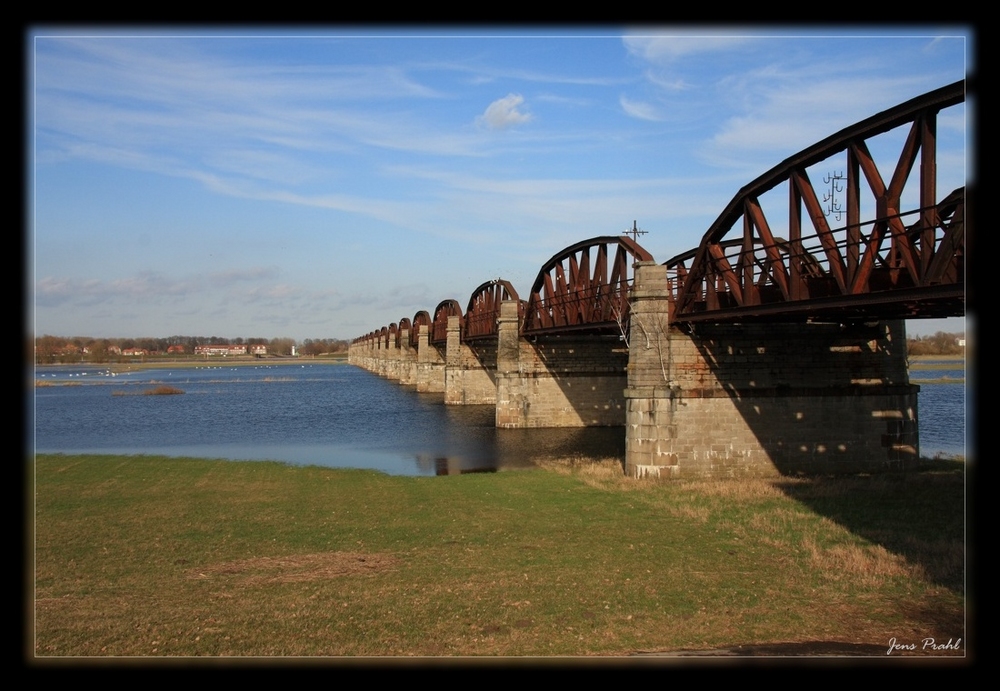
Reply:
x=404 y=325
x=421 y=319
x=584 y=287
x=901 y=263
x=483 y=311
x=439 y=324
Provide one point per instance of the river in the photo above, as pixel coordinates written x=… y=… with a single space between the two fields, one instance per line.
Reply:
x=333 y=415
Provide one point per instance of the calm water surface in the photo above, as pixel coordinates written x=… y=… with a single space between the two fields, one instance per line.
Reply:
x=321 y=414
x=945 y=422
x=335 y=415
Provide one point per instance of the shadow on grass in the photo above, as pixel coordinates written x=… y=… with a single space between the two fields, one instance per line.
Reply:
x=917 y=514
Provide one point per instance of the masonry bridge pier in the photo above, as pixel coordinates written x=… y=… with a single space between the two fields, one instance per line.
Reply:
x=776 y=346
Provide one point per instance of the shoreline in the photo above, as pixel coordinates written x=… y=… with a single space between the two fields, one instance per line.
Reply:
x=192 y=363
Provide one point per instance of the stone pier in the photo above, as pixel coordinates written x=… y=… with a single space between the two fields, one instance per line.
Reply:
x=721 y=400
x=470 y=371
x=561 y=380
x=430 y=363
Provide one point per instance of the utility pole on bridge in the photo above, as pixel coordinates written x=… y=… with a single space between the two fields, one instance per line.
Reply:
x=634 y=231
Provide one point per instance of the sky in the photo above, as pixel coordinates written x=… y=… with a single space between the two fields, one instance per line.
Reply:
x=326 y=182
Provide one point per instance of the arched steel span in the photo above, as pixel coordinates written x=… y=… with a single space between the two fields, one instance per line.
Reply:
x=483 y=311
x=899 y=264
x=580 y=289
x=404 y=325
x=420 y=319
x=439 y=328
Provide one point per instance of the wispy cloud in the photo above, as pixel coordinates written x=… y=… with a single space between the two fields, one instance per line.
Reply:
x=639 y=109
x=788 y=117
x=52 y=290
x=666 y=48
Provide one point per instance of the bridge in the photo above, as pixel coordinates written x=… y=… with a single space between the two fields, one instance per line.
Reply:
x=776 y=346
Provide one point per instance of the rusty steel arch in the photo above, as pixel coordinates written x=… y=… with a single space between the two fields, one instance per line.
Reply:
x=584 y=287
x=483 y=311
x=404 y=325
x=902 y=263
x=420 y=319
x=439 y=325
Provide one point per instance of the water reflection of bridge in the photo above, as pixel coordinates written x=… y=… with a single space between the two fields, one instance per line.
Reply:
x=776 y=345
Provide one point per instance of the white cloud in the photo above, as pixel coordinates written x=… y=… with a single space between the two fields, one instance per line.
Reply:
x=503 y=113
x=638 y=109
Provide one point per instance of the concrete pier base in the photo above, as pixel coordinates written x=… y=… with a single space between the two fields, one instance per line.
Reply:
x=724 y=400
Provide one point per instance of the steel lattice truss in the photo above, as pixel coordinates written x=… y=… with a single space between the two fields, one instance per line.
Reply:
x=439 y=327
x=483 y=313
x=421 y=320
x=404 y=325
x=581 y=289
x=901 y=263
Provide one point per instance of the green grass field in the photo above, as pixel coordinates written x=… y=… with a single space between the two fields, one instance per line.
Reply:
x=148 y=556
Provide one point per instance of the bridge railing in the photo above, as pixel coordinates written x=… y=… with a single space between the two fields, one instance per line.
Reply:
x=848 y=262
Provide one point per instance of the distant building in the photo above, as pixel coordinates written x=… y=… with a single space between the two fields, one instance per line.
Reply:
x=175 y=349
x=219 y=349
x=258 y=350
x=135 y=352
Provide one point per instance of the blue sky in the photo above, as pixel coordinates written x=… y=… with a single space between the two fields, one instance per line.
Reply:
x=324 y=183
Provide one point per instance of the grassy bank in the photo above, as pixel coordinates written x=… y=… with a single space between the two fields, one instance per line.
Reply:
x=923 y=367
x=931 y=358
x=179 y=557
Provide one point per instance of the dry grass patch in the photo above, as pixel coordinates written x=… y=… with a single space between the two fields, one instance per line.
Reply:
x=162 y=390
x=297 y=568
x=940 y=559
x=865 y=565
x=738 y=489
x=604 y=473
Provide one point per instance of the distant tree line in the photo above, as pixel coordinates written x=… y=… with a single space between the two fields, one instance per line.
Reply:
x=940 y=343
x=61 y=350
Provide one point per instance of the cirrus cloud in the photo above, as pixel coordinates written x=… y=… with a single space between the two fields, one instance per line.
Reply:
x=638 y=109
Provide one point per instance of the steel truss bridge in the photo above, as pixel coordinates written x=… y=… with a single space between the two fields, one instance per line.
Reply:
x=883 y=262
